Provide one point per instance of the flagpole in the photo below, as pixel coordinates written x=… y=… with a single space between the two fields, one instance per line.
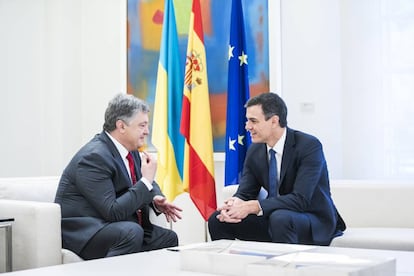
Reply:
x=205 y=232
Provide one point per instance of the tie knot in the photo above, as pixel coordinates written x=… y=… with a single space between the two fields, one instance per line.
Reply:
x=130 y=158
x=272 y=152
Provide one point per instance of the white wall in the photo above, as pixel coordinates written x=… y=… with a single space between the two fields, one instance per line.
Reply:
x=311 y=73
x=363 y=95
x=61 y=62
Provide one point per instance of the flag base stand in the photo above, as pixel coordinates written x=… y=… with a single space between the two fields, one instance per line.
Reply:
x=205 y=231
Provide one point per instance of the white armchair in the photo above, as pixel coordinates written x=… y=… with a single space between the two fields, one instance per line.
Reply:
x=36 y=228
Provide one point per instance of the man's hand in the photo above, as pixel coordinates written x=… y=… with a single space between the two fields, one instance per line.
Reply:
x=235 y=210
x=171 y=211
x=148 y=166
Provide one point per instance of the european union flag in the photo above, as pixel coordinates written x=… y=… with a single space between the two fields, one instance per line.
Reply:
x=237 y=139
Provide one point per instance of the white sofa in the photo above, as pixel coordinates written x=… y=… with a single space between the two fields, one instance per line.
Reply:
x=36 y=230
x=378 y=214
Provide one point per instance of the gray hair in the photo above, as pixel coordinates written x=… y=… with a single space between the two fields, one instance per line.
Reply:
x=123 y=107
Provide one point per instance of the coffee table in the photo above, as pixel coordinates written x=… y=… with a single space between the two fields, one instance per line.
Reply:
x=167 y=262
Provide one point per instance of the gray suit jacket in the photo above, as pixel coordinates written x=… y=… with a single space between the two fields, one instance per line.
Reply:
x=95 y=189
x=303 y=185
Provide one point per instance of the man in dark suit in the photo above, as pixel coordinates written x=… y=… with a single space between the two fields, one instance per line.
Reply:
x=105 y=196
x=299 y=209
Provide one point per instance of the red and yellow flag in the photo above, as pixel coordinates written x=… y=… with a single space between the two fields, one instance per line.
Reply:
x=198 y=177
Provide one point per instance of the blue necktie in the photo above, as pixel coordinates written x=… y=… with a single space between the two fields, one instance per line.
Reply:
x=272 y=174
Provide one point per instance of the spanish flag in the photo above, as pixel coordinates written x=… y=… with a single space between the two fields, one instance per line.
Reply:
x=196 y=121
x=166 y=136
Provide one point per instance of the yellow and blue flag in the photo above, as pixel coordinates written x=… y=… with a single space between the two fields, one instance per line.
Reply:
x=166 y=136
x=237 y=138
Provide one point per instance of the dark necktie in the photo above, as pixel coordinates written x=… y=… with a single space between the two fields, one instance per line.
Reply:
x=272 y=174
x=134 y=180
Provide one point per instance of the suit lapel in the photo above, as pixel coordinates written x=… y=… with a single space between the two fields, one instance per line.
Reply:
x=117 y=157
x=287 y=154
x=259 y=152
x=137 y=164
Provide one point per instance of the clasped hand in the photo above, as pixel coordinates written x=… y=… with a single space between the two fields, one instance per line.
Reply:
x=233 y=210
x=171 y=211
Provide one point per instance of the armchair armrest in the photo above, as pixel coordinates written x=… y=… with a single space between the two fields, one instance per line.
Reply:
x=36 y=233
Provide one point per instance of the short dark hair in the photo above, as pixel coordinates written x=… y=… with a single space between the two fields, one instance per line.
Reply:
x=123 y=107
x=271 y=104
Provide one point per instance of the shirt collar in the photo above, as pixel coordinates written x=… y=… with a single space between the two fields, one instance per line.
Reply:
x=279 y=146
x=121 y=149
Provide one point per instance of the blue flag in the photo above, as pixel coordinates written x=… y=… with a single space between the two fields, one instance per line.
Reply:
x=237 y=138
x=166 y=136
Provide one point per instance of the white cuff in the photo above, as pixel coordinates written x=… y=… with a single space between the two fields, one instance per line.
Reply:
x=261 y=210
x=147 y=183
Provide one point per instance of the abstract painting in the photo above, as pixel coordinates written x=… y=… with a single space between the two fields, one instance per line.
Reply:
x=144 y=26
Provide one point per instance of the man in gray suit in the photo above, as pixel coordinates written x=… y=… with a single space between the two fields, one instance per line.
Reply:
x=106 y=190
x=299 y=207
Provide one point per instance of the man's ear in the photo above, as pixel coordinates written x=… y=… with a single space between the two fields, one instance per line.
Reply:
x=120 y=125
x=275 y=120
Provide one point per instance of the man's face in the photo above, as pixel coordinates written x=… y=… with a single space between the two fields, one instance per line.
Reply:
x=135 y=133
x=260 y=129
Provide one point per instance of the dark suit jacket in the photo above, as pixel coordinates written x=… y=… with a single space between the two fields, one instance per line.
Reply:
x=303 y=186
x=95 y=189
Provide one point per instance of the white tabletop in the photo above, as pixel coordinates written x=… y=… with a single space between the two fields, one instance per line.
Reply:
x=159 y=262
x=166 y=262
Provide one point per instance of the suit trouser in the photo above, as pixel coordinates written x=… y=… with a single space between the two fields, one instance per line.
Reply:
x=283 y=226
x=125 y=237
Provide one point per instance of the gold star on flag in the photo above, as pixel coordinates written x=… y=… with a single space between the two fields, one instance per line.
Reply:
x=243 y=58
x=231 y=144
x=231 y=48
x=241 y=137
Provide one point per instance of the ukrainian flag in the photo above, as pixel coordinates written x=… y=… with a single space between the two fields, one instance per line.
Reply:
x=166 y=136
